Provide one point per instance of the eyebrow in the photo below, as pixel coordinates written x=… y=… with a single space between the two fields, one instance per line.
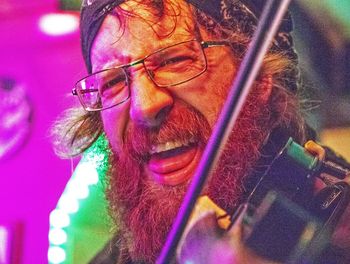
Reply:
x=119 y=59
x=112 y=60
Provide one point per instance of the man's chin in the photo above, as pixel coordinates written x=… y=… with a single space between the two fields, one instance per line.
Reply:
x=175 y=169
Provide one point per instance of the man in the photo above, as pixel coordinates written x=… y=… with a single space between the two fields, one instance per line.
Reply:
x=160 y=72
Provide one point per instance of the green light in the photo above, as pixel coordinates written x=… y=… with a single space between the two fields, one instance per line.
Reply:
x=337 y=10
x=341 y=10
x=81 y=212
x=73 y=5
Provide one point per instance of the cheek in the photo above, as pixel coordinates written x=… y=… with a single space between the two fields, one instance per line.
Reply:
x=218 y=87
x=208 y=92
x=114 y=124
x=202 y=96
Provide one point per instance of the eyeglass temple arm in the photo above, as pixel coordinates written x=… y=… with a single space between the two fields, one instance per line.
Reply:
x=74 y=91
x=209 y=44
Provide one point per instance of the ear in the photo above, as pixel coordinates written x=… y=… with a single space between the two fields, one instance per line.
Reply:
x=265 y=86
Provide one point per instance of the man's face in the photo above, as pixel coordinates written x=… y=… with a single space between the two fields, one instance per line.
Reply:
x=158 y=135
x=171 y=159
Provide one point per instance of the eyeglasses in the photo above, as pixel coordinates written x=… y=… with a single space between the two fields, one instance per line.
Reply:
x=166 y=67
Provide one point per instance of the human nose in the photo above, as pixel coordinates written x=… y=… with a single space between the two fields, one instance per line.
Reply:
x=150 y=104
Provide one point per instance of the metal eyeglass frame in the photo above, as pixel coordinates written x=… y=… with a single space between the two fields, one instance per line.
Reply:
x=203 y=44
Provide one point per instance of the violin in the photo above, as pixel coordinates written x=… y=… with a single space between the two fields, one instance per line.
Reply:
x=278 y=223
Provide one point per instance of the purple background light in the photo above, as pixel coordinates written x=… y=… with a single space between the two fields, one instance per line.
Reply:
x=33 y=178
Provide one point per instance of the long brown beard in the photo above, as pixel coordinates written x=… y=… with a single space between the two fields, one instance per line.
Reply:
x=144 y=210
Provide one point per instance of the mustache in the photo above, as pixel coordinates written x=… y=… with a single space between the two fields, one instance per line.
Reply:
x=182 y=123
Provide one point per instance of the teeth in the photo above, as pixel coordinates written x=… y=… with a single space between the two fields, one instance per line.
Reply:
x=170 y=145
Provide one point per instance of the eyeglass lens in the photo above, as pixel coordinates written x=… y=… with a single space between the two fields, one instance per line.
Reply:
x=176 y=64
x=167 y=67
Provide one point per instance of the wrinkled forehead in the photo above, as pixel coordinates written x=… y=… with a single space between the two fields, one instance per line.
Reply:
x=136 y=22
x=132 y=31
x=159 y=17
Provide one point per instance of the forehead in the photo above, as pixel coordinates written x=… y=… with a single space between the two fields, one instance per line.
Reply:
x=133 y=31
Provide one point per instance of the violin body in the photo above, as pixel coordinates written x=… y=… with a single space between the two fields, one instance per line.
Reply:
x=286 y=219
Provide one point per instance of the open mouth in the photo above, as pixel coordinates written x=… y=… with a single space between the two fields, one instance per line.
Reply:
x=173 y=162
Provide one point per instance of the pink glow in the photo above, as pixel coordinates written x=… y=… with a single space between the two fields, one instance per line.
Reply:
x=59 y=24
x=33 y=178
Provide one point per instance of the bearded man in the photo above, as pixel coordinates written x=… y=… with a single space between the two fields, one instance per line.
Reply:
x=160 y=72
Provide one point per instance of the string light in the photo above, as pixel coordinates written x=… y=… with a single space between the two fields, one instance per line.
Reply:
x=77 y=189
x=59 y=219
x=57 y=236
x=56 y=255
x=58 y=24
x=4 y=244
